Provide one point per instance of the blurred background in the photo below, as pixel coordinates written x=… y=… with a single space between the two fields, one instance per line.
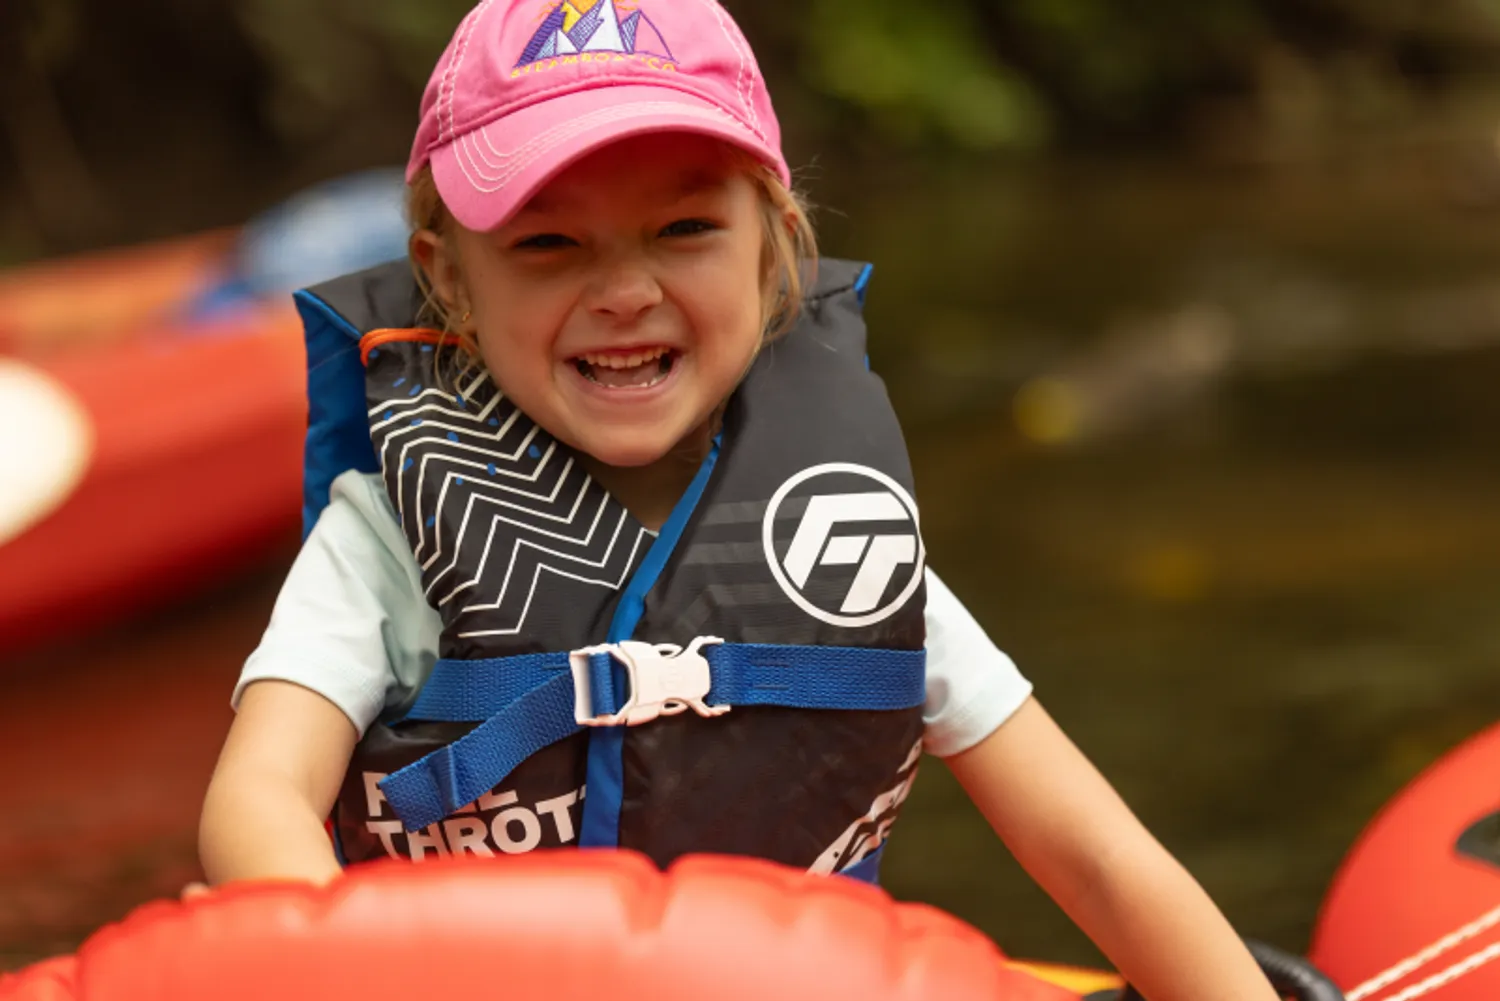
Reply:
x=1191 y=310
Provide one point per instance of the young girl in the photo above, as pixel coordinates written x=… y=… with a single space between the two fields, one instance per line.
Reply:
x=619 y=549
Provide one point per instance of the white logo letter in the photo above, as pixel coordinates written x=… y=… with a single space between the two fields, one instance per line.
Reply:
x=878 y=559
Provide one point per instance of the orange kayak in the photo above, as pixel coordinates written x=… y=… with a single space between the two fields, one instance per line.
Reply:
x=153 y=405
x=175 y=451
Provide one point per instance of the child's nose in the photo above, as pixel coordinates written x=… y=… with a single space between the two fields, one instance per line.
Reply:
x=623 y=291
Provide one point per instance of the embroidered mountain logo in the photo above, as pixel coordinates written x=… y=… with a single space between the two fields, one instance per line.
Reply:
x=576 y=27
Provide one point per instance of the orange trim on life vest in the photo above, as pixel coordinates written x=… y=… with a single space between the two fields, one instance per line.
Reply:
x=422 y=335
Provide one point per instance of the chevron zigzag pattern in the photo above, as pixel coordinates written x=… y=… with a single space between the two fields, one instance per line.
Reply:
x=491 y=504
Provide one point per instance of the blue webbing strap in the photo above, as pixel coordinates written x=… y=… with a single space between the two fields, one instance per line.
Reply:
x=744 y=674
x=816 y=677
x=462 y=691
x=527 y=703
x=867 y=869
x=451 y=777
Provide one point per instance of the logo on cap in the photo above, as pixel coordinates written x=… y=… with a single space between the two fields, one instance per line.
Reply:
x=854 y=517
x=578 y=27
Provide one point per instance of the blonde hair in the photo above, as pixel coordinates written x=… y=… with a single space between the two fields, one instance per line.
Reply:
x=789 y=255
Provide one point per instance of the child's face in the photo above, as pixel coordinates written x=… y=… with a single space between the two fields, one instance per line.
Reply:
x=623 y=304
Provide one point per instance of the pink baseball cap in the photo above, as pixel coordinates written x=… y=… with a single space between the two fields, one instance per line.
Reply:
x=527 y=87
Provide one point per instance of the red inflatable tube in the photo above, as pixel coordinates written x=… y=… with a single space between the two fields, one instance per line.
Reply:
x=1414 y=911
x=559 y=926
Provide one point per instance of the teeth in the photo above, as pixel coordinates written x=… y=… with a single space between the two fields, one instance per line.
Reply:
x=633 y=360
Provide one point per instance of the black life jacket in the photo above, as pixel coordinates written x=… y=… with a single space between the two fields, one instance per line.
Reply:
x=797 y=546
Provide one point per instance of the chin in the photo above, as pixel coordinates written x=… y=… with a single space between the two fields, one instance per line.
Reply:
x=629 y=454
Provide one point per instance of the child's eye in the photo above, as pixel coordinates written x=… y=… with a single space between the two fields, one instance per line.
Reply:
x=688 y=227
x=545 y=241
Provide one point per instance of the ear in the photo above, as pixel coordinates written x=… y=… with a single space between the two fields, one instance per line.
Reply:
x=789 y=222
x=438 y=262
x=781 y=234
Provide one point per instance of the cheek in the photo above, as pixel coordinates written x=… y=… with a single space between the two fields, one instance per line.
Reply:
x=729 y=324
x=517 y=325
x=732 y=303
x=516 y=314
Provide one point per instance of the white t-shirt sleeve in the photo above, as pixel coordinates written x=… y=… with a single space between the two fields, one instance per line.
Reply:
x=351 y=622
x=972 y=687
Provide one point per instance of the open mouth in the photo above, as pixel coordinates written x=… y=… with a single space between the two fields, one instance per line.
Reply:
x=626 y=370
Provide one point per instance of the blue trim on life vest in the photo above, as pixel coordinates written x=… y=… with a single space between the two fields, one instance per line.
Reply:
x=600 y=825
x=861 y=288
x=338 y=436
x=338 y=849
x=862 y=283
x=867 y=869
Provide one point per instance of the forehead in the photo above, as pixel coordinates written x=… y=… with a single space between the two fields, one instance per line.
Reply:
x=642 y=170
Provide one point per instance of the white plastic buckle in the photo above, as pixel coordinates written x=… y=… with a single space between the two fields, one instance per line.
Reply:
x=665 y=680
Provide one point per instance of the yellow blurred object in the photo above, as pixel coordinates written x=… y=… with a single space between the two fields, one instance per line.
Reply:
x=1174 y=572
x=1048 y=410
x=1071 y=978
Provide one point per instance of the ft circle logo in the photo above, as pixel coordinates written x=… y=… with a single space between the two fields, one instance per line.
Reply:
x=861 y=526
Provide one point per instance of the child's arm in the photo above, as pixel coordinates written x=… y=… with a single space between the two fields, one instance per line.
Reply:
x=276 y=780
x=1070 y=830
x=351 y=636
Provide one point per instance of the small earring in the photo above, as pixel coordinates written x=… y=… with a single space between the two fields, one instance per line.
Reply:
x=465 y=318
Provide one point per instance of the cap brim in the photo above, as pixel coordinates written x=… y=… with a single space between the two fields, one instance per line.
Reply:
x=486 y=175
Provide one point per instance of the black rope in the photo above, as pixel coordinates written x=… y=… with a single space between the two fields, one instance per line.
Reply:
x=1292 y=976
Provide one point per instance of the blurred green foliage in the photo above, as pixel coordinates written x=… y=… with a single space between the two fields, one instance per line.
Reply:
x=980 y=74
x=325 y=54
x=1117 y=70
x=923 y=71
x=97 y=97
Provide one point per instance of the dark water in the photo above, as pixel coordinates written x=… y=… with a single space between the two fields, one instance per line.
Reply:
x=1210 y=453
